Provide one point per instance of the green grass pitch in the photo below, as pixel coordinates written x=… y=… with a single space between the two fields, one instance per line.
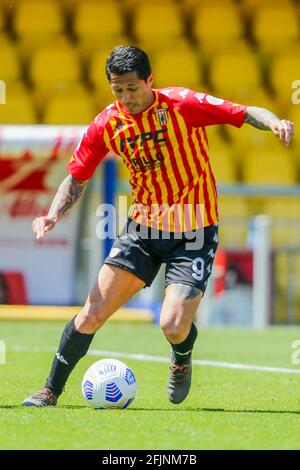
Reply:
x=226 y=408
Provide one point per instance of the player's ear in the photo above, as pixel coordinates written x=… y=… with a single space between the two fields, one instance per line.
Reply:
x=150 y=79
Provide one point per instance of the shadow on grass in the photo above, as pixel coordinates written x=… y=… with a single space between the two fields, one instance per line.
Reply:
x=155 y=410
x=71 y=407
x=216 y=410
x=224 y=410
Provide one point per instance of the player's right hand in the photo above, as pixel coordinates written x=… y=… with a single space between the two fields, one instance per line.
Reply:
x=283 y=129
x=41 y=225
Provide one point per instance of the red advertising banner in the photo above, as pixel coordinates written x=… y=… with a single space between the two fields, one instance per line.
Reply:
x=33 y=163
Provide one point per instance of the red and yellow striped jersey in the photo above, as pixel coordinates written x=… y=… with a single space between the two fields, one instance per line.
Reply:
x=165 y=148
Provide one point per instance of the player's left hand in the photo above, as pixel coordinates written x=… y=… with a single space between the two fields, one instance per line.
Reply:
x=284 y=130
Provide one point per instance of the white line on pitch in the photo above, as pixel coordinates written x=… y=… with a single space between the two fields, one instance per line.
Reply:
x=162 y=359
x=198 y=362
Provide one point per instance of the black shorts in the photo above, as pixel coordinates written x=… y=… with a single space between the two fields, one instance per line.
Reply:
x=141 y=251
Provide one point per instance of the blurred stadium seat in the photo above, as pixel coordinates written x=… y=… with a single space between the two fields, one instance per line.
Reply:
x=46 y=66
x=103 y=97
x=37 y=20
x=97 y=68
x=42 y=96
x=65 y=108
x=285 y=219
x=48 y=76
x=97 y=77
x=180 y=67
x=69 y=6
x=221 y=157
x=86 y=49
x=283 y=72
x=216 y=26
x=189 y=5
x=131 y=4
x=153 y=49
x=97 y=22
x=223 y=165
x=259 y=97
x=28 y=47
x=10 y=62
x=249 y=7
x=234 y=216
x=275 y=28
x=157 y=24
x=269 y=166
x=19 y=107
x=16 y=87
x=2 y=23
x=235 y=73
x=247 y=137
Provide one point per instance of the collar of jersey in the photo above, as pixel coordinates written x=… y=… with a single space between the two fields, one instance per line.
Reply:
x=137 y=115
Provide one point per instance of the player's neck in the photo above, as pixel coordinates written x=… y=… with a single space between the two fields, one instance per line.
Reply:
x=151 y=99
x=148 y=102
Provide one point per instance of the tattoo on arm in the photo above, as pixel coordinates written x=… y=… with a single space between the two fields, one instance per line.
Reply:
x=70 y=190
x=260 y=118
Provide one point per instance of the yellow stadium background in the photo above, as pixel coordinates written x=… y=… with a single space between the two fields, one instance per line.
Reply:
x=52 y=61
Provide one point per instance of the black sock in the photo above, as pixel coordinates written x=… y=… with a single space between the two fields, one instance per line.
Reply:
x=181 y=353
x=72 y=347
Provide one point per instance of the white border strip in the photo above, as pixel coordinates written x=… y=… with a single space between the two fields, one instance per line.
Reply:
x=198 y=362
x=162 y=359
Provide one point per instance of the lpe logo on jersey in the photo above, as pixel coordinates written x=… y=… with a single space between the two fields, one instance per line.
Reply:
x=2 y=92
x=162 y=116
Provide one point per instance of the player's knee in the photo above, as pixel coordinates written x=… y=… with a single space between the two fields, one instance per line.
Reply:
x=91 y=317
x=174 y=330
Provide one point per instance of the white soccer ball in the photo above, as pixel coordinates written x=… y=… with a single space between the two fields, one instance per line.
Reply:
x=109 y=383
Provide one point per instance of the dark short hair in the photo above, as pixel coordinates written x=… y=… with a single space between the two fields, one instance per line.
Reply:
x=126 y=59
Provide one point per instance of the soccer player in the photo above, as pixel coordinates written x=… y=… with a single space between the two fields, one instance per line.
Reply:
x=160 y=136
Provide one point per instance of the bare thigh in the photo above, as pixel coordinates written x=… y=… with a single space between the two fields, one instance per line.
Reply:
x=112 y=289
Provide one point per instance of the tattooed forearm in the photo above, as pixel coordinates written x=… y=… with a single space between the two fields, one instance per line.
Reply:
x=70 y=190
x=260 y=118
